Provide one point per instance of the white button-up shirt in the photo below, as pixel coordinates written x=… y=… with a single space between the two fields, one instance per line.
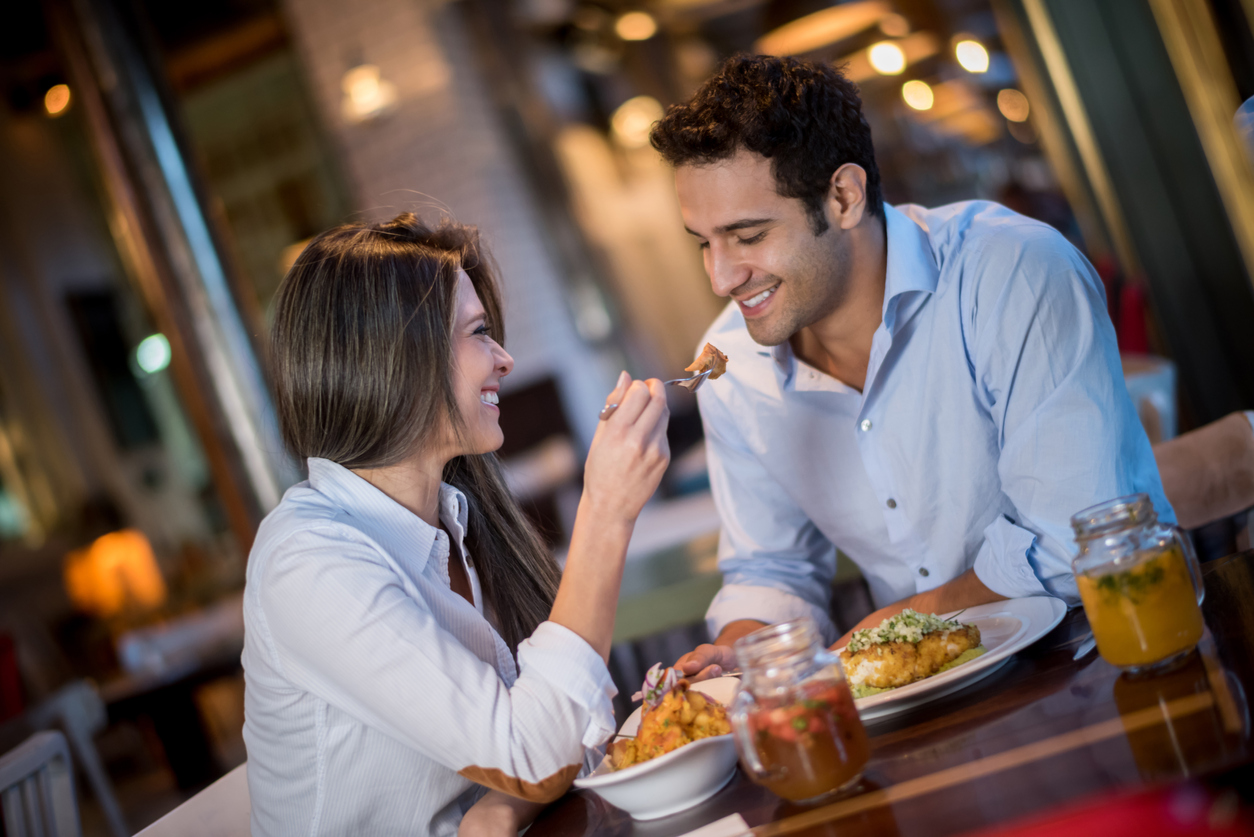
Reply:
x=378 y=701
x=994 y=408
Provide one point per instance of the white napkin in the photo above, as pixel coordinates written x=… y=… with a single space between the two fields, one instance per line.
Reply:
x=733 y=826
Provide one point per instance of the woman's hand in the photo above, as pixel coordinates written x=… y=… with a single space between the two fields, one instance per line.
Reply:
x=629 y=452
x=498 y=815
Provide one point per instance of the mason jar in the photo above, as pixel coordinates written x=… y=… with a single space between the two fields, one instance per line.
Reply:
x=794 y=721
x=1140 y=583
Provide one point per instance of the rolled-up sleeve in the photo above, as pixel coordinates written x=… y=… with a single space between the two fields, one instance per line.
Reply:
x=1048 y=369
x=342 y=627
x=776 y=564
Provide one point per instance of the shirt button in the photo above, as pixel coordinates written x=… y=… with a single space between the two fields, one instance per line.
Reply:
x=923 y=572
x=866 y=425
x=892 y=504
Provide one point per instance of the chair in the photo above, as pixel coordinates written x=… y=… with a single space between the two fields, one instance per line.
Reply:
x=37 y=788
x=1208 y=473
x=77 y=711
x=221 y=810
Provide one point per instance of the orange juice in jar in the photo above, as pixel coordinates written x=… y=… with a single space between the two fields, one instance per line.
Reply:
x=1140 y=584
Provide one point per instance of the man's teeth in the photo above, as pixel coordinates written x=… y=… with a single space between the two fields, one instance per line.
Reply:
x=754 y=301
x=489 y=398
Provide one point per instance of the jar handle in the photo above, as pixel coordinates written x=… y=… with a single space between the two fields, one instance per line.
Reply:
x=1190 y=559
x=743 y=736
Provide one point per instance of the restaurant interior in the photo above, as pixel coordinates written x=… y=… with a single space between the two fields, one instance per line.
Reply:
x=163 y=164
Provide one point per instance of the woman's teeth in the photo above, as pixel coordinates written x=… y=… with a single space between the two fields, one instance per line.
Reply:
x=755 y=301
x=489 y=398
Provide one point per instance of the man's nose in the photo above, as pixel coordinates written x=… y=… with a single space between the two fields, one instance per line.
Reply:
x=725 y=270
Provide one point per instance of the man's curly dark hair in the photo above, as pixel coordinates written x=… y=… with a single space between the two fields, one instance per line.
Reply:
x=804 y=117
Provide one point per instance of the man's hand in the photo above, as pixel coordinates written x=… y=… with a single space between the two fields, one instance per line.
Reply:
x=964 y=591
x=498 y=814
x=711 y=660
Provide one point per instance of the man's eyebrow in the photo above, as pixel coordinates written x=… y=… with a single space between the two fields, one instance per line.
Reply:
x=742 y=224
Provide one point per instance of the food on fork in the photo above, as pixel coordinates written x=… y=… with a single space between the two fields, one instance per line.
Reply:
x=904 y=648
x=711 y=359
x=673 y=715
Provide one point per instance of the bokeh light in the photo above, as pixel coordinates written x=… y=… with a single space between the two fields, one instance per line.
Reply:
x=153 y=353
x=633 y=119
x=972 y=56
x=1013 y=105
x=887 y=58
x=636 y=26
x=918 y=94
x=57 y=99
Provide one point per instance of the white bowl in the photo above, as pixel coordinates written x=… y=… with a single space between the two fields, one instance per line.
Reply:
x=676 y=781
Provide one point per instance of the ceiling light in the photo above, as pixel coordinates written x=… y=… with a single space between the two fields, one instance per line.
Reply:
x=918 y=94
x=887 y=58
x=1013 y=105
x=636 y=26
x=972 y=56
x=57 y=99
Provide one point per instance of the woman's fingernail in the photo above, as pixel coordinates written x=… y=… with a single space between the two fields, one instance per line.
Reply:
x=623 y=378
x=717 y=671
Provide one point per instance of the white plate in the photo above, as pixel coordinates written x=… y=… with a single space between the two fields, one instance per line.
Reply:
x=676 y=781
x=1005 y=628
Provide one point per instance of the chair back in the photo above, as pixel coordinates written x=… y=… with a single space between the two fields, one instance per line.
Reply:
x=1208 y=473
x=37 y=788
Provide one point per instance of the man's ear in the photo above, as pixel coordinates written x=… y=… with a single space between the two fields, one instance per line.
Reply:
x=846 y=196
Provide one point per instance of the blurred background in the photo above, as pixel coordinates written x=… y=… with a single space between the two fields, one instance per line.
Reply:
x=162 y=164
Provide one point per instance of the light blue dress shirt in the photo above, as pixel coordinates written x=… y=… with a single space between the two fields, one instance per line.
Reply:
x=374 y=692
x=994 y=409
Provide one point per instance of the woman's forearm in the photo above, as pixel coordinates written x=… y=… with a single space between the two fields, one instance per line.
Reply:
x=587 y=599
x=498 y=815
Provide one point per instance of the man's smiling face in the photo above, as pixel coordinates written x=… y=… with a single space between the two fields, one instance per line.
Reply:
x=760 y=248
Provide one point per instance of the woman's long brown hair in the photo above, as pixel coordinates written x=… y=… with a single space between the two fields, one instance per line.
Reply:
x=362 y=367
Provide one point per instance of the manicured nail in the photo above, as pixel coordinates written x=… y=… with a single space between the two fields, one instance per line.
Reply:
x=717 y=671
x=623 y=378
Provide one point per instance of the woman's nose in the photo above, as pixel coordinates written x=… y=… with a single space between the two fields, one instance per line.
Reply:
x=504 y=361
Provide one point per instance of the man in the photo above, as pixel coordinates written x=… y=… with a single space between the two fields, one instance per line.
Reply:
x=932 y=391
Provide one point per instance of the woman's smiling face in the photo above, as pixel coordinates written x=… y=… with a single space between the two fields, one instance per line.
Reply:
x=479 y=364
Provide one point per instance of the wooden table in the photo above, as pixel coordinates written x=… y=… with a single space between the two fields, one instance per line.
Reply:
x=1043 y=731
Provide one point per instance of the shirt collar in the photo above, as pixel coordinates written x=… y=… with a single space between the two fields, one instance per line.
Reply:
x=911 y=268
x=911 y=265
x=402 y=533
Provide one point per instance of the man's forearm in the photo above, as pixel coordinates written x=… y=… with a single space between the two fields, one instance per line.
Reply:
x=962 y=592
x=733 y=631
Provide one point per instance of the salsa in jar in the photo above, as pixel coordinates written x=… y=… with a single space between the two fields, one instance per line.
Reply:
x=811 y=745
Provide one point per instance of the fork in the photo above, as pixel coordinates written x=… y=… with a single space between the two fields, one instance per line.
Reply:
x=692 y=383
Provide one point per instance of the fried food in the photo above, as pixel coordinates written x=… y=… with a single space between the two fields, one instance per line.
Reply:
x=907 y=647
x=710 y=358
x=680 y=717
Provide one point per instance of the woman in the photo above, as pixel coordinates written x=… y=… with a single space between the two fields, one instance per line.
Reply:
x=409 y=641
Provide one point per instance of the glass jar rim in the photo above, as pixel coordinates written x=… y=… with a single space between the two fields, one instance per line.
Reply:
x=776 y=641
x=1114 y=516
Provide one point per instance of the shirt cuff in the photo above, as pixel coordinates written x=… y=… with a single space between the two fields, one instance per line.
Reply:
x=1002 y=563
x=764 y=604
x=563 y=659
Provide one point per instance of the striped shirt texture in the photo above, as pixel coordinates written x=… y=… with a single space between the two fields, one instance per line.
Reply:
x=380 y=702
x=994 y=408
